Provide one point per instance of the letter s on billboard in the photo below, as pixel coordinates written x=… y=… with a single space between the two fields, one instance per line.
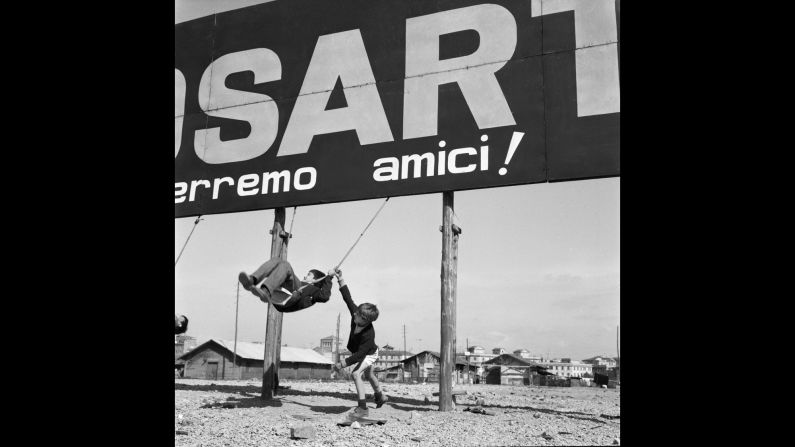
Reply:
x=303 y=102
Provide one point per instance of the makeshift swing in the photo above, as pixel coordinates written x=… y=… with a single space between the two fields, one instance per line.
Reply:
x=283 y=294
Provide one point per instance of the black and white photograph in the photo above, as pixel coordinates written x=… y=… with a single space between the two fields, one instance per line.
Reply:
x=397 y=223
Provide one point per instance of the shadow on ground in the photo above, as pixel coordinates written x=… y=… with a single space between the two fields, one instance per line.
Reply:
x=250 y=398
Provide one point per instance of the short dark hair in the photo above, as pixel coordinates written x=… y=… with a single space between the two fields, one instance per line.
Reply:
x=368 y=311
x=317 y=273
x=184 y=326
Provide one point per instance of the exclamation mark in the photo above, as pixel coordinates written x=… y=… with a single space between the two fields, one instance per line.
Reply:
x=515 y=139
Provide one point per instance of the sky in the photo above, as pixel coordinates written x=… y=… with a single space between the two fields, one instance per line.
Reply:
x=538 y=265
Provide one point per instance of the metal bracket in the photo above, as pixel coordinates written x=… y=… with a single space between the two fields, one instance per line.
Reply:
x=456 y=229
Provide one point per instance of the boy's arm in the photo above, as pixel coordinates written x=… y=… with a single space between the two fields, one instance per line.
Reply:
x=324 y=293
x=346 y=293
x=346 y=296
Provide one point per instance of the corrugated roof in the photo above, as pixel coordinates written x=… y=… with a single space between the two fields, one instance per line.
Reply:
x=497 y=360
x=256 y=351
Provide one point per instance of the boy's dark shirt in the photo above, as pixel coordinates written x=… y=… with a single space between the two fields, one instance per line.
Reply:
x=363 y=343
x=306 y=296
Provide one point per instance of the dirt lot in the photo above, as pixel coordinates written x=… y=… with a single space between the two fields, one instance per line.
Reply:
x=523 y=415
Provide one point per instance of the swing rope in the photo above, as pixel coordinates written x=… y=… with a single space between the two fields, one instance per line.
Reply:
x=360 y=236
x=292 y=221
x=186 y=241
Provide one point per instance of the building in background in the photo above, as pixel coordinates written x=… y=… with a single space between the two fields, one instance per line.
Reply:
x=328 y=348
x=389 y=357
x=601 y=360
x=182 y=344
x=216 y=360
x=509 y=369
x=422 y=367
x=569 y=369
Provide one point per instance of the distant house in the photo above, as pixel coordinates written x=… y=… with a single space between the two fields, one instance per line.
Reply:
x=522 y=353
x=423 y=367
x=476 y=355
x=389 y=357
x=216 y=360
x=182 y=344
x=601 y=360
x=509 y=369
x=328 y=348
x=570 y=369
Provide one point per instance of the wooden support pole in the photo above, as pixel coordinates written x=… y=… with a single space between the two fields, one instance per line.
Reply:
x=273 y=330
x=448 y=276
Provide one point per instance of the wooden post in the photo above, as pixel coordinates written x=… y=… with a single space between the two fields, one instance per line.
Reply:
x=273 y=330
x=449 y=263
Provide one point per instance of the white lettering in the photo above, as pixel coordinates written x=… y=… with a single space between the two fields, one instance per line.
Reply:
x=218 y=181
x=297 y=184
x=596 y=53
x=417 y=160
x=259 y=110
x=193 y=185
x=180 y=188
x=273 y=178
x=474 y=73
x=337 y=56
x=451 y=161
x=383 y=174
x=179 y=109
x=247 y=184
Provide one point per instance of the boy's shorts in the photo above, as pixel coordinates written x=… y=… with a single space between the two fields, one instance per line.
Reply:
x=366 y=362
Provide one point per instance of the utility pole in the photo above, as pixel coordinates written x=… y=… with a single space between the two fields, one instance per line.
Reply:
x=467 y=357
x=402 y=374
x=273 y=330
x=618 y=359
x=450 y=234
x=237 y=301
x=338 y=339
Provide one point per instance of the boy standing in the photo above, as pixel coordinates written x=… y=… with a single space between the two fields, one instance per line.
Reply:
x=277 y=273
x=361 y=342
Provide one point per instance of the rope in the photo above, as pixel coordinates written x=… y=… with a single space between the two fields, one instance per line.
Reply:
x=186 y=241
x=292 y=221
x=360 y=236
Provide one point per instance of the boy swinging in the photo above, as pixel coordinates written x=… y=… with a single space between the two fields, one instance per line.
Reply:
x=283 y=289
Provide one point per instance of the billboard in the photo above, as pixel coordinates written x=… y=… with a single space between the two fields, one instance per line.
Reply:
x=299 y=102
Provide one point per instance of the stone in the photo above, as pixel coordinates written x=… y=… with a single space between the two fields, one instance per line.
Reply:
x=427 y=400
x=182 y=432
x=616 y=441
x=304 y=432
x=356 y=424
x=480 y=402
x=548 y=434
x=536 y=415
x=416 y=438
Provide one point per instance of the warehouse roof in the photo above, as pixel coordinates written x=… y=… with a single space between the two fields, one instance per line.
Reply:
x=256 y=351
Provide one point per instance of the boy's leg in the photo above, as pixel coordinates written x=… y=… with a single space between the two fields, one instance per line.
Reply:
x=361 y=407
x=250 y=281
x=280 y=273
x=265 y=269
x=380 y=397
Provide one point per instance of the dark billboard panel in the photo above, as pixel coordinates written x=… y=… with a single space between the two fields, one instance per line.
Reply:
x=299 y=102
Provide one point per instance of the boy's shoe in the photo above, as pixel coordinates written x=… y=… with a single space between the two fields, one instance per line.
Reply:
x=245 y=280
x=381 y=401
x=263 y=293
x=358 y=413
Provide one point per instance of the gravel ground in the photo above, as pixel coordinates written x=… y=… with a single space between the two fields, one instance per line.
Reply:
x=523 y=415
